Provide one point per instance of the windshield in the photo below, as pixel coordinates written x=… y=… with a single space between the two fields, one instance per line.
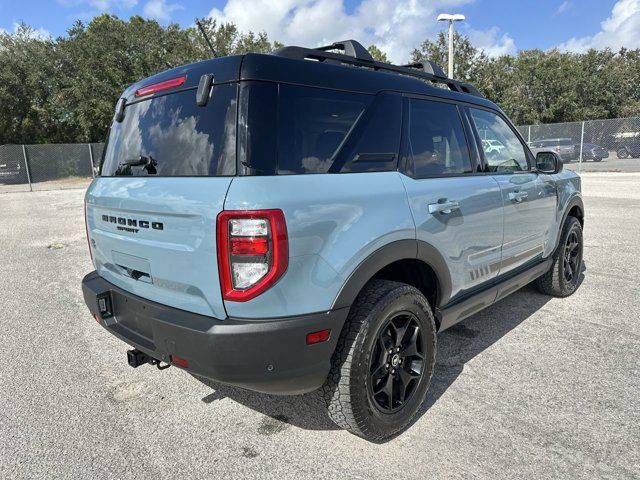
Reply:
x=171 y=135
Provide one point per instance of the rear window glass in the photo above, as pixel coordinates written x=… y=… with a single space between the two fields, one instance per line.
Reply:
x=171 y=135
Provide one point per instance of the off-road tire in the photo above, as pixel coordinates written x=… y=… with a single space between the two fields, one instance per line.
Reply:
x=622 y=153
x=346 y=390
x=554 y=282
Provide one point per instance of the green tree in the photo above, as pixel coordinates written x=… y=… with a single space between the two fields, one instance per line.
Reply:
x=468 y=60
x=64 y=89
x=377 y=54
x=28 y=74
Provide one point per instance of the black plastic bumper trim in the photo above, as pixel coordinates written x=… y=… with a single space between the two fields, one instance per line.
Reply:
x=265 y=355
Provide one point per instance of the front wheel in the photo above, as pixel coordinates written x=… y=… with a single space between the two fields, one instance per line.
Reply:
x=383 y=362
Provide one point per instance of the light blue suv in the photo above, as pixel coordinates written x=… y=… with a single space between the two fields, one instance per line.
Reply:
x=309 y=220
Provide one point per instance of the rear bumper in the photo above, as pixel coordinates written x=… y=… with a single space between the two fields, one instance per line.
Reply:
x=269 y=356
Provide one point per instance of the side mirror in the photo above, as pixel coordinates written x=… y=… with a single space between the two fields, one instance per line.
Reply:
x=548 y=162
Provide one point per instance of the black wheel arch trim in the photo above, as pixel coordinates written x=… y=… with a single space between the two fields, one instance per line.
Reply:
x=574 y=201
x=410 y=249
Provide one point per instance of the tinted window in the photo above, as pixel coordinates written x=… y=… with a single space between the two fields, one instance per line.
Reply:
x=510 y=156
x=258 y=128
x=171 y=135
x=374 y=141
x=313 y=124
x=435 y=140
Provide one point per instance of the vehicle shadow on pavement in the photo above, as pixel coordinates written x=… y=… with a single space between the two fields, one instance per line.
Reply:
x=456 y=346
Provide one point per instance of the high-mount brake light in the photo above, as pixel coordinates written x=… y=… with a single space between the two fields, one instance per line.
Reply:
x=160 y=86
x=253 y=252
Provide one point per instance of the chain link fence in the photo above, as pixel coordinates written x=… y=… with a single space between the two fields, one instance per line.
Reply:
x=594 y=145
x=48 y=166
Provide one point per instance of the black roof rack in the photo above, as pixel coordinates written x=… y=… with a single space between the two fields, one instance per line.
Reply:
x=356 y=54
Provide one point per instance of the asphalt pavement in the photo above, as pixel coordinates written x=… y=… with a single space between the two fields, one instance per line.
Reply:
x=532 y=387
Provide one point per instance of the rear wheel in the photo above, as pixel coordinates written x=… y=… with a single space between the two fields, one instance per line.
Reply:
x=597 y=159
x=383 y=362
x=563 y=277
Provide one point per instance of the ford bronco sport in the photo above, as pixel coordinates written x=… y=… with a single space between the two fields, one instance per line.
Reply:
x=309 y=220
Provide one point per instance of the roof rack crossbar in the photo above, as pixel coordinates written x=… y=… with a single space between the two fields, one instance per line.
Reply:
x=427 y=66
x=350 y=48
x=426 y=70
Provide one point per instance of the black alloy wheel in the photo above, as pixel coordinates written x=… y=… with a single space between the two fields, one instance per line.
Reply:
x=397 y=363
x=572 y=257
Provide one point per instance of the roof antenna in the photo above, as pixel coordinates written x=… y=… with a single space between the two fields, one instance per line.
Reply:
x=206 y=37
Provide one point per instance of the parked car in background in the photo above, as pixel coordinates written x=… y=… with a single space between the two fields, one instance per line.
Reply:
x=491 y=146
x=629 y=150
x=562 y=146
x=627 y=144
x=593 y=152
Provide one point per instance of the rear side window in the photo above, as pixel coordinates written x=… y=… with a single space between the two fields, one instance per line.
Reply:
x=286 y=130
x=171 y=136
x=313 y=125
x=435 y=143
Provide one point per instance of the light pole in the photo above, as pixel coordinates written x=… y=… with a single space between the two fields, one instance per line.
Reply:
x=447 y=17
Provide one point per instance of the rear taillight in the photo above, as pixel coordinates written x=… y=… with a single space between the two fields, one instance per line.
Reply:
x=253 y=252
x=86 y=229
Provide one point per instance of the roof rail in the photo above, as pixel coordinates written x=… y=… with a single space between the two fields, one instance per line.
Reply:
x=356 y=54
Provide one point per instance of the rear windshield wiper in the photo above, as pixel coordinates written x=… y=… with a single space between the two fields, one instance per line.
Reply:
x=145 y=161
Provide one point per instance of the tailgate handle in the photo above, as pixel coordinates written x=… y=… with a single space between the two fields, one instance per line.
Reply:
x=137 y=274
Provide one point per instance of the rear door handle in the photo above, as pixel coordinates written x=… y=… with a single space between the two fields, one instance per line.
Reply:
x=518 y=197
x=444 y=208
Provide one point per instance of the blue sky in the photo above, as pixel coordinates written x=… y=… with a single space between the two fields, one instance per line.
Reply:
x=498 y=26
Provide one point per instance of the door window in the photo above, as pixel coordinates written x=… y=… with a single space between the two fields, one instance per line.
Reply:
x=503 y=150
x=435 y=141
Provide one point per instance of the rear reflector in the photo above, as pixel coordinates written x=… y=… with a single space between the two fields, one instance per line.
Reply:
x=160 y=86
x=180 y=362
x=318 y=337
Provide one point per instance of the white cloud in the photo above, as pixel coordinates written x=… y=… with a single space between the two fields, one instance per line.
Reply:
x=564 y=6
x=492 y=43
x=160 y=9
x=621 y=29
x=395 y=26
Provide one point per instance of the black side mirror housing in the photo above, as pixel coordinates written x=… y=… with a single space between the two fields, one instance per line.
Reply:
x=548 y=162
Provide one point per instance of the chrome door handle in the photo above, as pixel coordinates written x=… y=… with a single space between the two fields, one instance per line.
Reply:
x=518 y=197
x=445 y=207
